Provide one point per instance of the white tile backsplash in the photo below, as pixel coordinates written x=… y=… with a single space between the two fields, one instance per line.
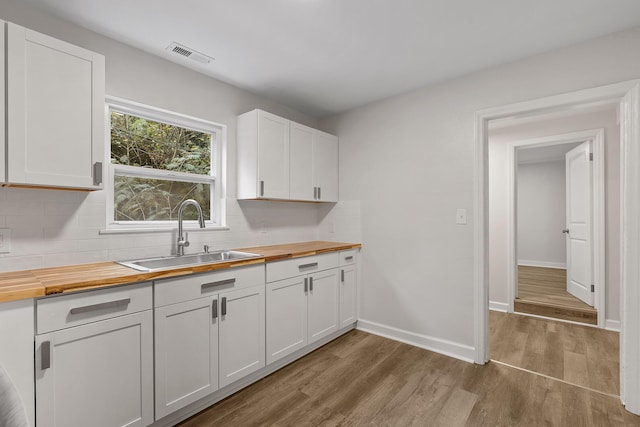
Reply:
x=53 y=228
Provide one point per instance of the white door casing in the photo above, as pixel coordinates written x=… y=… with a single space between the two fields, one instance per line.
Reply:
x=627 y=95
x=598 y=238
x=578 y=230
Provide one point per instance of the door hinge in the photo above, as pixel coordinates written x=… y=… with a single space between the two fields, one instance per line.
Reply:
x=591 y=157
x=593 y=288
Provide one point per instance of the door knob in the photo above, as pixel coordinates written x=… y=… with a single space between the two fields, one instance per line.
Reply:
x=566 y=231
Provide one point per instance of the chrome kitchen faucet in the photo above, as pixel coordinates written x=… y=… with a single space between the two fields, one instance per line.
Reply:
x=182 y=235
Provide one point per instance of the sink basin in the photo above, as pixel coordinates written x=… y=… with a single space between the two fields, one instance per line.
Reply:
x=168 y=262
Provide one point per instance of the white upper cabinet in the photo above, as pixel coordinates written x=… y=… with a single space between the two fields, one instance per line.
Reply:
x=325 y=166
x=313 y=165
x=281 y=159
x=263 y=156
x=301 y=178
x=55 y=111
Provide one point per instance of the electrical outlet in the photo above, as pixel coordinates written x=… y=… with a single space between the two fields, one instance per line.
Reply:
x=332 y=228
x=461 y=216
x=5 y=240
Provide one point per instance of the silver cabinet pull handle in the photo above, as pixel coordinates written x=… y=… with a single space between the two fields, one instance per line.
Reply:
x=342 y=275
x=306 y=285
x=348 y=258
x=45 y=355
x=565 y=231
x=97 y=173
x=218 y=283
x=214 y=309
x=101 y=306
x=319 y=194
x=311 y=283
x=224 y=306
x=315 y=193
x=303 y=266
x=261 y=188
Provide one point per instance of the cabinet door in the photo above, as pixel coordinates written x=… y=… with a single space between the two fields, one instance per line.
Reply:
x=98 y=374
x=55 y=104
x=301 y=163
x=325 y=166
x=348 y=294
x=273 y=156
x=3 y=172
x=286 y=317
x=242 y=334
x=186 y=353
x=323 y=304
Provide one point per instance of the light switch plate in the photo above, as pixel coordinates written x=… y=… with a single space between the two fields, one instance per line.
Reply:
x=5 y=240
x=461 y=216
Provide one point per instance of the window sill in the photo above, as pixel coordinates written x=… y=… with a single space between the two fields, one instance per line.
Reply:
x=138 y=230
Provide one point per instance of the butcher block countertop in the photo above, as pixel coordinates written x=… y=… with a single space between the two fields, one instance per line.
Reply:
x=26 y=284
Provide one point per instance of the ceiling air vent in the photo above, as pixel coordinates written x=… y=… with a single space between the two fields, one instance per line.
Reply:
x=189 y=53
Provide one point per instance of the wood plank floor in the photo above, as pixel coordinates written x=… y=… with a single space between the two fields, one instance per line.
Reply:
x=542 y=291
x=582 y=355
x=363 y=379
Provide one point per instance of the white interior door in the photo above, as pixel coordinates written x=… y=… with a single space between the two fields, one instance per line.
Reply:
x=578 y=231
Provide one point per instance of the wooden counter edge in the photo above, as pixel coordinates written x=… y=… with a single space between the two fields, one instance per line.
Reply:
x=9 y=295
x=143 y=276
x=39 y=289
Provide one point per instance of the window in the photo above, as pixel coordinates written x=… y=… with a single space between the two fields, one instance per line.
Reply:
x=158 y=159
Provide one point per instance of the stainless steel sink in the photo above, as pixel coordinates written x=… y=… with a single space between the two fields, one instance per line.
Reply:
x=165 y=263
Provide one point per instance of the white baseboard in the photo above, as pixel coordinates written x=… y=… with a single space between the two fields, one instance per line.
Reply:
x=498 y=306
x=547 y=264
x=448 y=348
x=612 y=325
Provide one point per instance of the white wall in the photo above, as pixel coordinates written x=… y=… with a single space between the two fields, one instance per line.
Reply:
x=409 y=160
x=58 y=227
x=541 y=214
x=498 y=197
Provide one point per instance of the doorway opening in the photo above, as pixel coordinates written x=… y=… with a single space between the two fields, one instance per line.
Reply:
x=556 y=238
x=627 y=96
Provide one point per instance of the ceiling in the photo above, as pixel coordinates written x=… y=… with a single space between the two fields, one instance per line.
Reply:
x=549 y=153
x=326 y=56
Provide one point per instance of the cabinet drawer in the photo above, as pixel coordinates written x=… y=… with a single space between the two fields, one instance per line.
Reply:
x=65 y=311
x=348 y=257
x=170 y=291
x=280 y=270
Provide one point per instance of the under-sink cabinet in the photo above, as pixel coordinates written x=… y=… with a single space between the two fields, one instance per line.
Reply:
x=209 y=332
x=94 y=358
x=302 y=303
x=54 y=98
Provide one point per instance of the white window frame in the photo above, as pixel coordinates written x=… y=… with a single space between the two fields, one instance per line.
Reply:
x=216 y=177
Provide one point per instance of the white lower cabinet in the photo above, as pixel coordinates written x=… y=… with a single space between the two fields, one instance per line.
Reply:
x=242 y=334
x=286 y=317
x=99 y=370
x=186 y=353
x=301 y=309
x=209 y=333
x=96 y=352
x=348 y=288
x=322 y=305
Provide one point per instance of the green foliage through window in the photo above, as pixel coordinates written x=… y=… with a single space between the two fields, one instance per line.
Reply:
x=139 y=142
